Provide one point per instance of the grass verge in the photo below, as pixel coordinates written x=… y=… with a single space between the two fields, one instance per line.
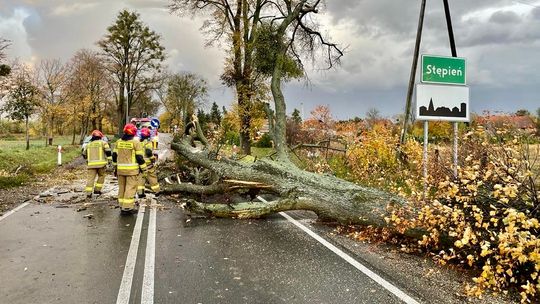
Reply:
x=18 y=166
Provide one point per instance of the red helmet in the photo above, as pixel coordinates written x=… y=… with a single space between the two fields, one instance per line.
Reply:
x=145 y=132
x=130 y=129
x=97 y=133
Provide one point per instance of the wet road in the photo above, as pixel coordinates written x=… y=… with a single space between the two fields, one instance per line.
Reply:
x=50 y=254
x=55 y=255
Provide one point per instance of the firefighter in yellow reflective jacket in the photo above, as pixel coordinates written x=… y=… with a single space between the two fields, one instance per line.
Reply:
x=154 y=127
x=150 y=160
x=128 y=161
x=97 y=154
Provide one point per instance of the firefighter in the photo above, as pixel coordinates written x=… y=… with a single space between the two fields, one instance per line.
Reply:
x=150 y=176
x=97 y=154
x=128 y=161
x=154 y=124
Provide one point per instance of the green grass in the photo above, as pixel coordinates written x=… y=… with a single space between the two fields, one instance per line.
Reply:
x=14 y=158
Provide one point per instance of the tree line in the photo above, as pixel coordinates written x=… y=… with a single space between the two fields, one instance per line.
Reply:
x=99 y=89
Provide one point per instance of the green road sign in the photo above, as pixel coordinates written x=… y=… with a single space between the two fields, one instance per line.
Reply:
x=447 y=70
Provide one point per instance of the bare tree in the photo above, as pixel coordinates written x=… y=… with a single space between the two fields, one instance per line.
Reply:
x=52 y=80
x=236 y=21
x=4 y=68
x=185 y=93
x=22 y=98
x=372 y=116
x=88 y=92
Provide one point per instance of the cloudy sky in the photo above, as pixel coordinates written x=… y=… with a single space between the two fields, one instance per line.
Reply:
x=499 y=38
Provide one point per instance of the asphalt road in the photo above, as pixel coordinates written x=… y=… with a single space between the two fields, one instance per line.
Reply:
x=55 y=255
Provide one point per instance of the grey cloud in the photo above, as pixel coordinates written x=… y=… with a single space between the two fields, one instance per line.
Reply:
x=500 y=50
x=536 y=13
x=505 y=17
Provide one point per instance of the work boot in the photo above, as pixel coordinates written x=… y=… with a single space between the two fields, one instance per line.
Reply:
x=141 y=195
x=126 y=211
x=89 y=195
x=98 y=192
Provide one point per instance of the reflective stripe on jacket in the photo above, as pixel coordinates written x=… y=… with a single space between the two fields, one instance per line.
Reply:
x=149 y=157
x=155 y=142
x=129 y=157
x=96 y=154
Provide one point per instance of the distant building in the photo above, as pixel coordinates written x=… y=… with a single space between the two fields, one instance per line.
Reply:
x=525 y=123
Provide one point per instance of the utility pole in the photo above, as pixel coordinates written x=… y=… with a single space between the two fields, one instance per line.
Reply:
x=450 y=29
x=413 y=72
x=454 y=54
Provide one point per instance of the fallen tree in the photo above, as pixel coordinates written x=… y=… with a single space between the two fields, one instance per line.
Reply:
x=329 y=197
x=291 y=188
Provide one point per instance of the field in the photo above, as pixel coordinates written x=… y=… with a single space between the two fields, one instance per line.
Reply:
x=18 y=165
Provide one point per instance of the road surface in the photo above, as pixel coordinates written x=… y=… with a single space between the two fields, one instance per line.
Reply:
x=58 y=253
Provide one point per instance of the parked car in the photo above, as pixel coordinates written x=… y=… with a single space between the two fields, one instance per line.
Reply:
x=141 y=122
x=85 y=142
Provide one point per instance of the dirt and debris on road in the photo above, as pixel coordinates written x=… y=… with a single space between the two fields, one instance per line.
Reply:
x=61 y=186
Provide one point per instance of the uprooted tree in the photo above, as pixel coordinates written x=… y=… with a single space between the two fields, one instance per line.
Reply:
x=295 y=34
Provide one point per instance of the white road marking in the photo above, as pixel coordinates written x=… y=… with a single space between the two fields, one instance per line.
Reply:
x=14 y=210
x=147 y=296
x=387 y=285
x=129 y=268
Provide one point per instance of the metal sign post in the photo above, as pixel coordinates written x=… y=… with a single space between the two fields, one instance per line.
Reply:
x=425 y=157
x=455 y=150
x=454 y=54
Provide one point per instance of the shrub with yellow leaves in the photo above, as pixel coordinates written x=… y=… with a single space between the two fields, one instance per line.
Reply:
x=486 y=218
x=374 y=161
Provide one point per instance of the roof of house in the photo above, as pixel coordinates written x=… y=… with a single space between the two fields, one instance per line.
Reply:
x=520 y=122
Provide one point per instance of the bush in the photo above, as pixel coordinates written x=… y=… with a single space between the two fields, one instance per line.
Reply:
x=232 y=138
x=374 y=161
x=13 y=181
x=264 y=142
x=485 y=219
x=489 y=214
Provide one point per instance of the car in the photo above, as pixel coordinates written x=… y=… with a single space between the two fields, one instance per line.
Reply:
x=86 y=140
x=141 y=122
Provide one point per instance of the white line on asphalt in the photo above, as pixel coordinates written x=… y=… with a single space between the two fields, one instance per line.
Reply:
x=393 y=289
x=147 y=296
x=129 y=268
x=14 y=210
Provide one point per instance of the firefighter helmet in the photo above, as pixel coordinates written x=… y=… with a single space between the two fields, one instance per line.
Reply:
x=97 y=133
x=130 y=129
x=145 y=132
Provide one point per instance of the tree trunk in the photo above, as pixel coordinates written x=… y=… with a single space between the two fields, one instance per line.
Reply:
x=27 y=134
x=94 y=117
x=294 y=189
x=121 y=107
x=121 y=119
x=244 y=105
x=73 y=137
x=280 y=126
x=51 y=131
